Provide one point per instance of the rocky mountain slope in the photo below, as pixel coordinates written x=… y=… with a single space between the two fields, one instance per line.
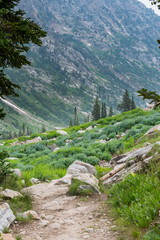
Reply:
x=92 y=47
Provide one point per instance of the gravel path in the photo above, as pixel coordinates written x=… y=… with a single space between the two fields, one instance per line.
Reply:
x=65 y=217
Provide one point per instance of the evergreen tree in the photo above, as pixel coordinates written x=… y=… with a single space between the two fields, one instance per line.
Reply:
x=70 y=123
x=43 y=129
x=96 y=110
x=20 y=133
x=23 y=129
x=14 y=135
x=125 y=105
x=16 y=32
x=86 y=119
x=110 y=111
x=103 y=111
x=76 y=120
x=10 y=135
x=133 y=105
x=153 y=96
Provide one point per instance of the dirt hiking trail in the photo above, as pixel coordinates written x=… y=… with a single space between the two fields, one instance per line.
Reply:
x=64 y=217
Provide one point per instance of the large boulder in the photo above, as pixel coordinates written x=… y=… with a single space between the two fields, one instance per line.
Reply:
x=81 y=167
x=84 y=172
x=6 y=216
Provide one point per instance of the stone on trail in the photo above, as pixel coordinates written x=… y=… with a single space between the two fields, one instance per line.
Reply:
x=8 y=193
x=29 y=213
x=7 y=236
x=6 y=216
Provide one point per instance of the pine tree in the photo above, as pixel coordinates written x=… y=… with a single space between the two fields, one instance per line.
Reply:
x=14 y=135
x=76 y=120
x=43 y=129
x=23 y=129
x=103 y=111
x=16 y=33
x=110 y=111
x=96 y=110
x=125 y=105
x=70 y=123
x=86 y=119
x=133 y=105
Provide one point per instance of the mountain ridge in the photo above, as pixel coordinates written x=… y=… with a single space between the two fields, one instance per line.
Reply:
x=94 y=48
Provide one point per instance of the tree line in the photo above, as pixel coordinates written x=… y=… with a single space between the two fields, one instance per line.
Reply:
x=99 y=110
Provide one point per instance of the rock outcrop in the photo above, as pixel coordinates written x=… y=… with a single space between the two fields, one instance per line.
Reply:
x=125 y=164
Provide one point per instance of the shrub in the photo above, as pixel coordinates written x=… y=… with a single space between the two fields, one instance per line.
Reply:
x=92 y=160
x=153 y=234
x=129 y=143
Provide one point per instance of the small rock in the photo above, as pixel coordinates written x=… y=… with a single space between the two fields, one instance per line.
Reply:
x=89 y=128
x=62 y=132
x=35 y=181
x=44 y=223
x=85 y=236
x=7 y=237
x=17 y=172
x=56 y=149
x=32 y=213
x=55 y=226
x=10 y=194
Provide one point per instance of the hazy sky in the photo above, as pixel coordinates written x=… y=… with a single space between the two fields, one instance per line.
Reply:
x=148 y=4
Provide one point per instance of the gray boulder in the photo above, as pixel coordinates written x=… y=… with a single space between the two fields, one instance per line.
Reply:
x=6 y=216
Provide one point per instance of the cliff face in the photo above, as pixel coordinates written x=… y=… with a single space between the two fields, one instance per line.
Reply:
x=92 y=47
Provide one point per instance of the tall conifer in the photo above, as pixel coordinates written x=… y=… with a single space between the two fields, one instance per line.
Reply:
x=96 y=110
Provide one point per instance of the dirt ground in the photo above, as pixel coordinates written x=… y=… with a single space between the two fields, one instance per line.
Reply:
x=63 y=217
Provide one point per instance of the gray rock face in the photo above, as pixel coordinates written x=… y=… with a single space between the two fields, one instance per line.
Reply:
x=76 y=169
x=6 y=216
x=131 y=162
x=91 y=169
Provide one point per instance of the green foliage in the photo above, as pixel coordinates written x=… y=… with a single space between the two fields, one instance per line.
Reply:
x=153 y=234
x=152 y=95
x=137 y=199
x=4 y=167
x=16 y=32
x=21 y=204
